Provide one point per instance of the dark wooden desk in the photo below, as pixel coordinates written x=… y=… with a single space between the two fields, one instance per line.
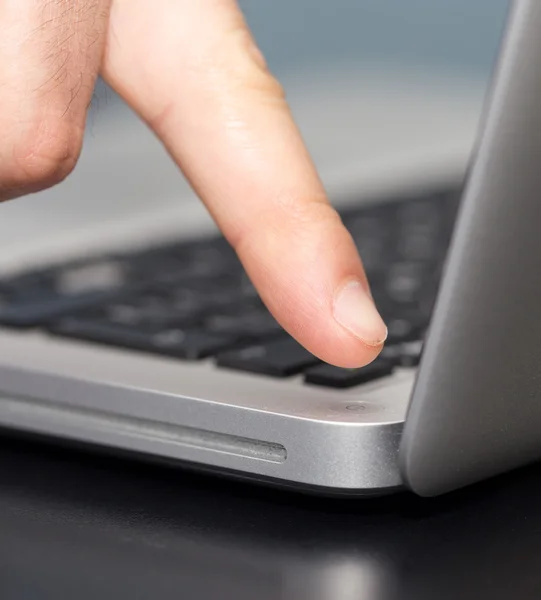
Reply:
x=79 y=526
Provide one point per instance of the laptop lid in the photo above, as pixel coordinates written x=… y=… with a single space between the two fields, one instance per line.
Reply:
x=476 y=406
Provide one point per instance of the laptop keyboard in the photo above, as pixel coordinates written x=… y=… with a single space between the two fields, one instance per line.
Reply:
x=192 y=300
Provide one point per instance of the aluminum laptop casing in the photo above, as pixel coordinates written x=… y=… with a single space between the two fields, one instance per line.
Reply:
x=476 y=408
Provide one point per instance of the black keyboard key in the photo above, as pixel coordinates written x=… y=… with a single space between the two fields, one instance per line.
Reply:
x=425 y=227
x=102 y=275
x=391 y=353
x=375 y=254
x=336 y=377
x=188 y=344
x=419 y=245
x=371 y=223
x=150 y=310
x=422 y=213
x=175 y=304
x=207 y=294
x=219 y=291
x=373 y=234
x=74 y=279
x=185 y=260
x=31 y=312
x=407 y=354
x=280 y=358
x=410 y=354
x=35 y=298
x=247 y=322
x=180 y=343
x=211 y=251
x=405 y=281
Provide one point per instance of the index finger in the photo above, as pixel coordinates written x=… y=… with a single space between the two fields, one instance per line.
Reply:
x=193 y=73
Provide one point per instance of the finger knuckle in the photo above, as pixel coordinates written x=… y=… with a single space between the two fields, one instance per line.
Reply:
x=313 y=225
x=307 y=225
x=235 y=63
x=46 y=155
x=250 y=68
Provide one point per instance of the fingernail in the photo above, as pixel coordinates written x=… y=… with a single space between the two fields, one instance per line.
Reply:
x=357 y=313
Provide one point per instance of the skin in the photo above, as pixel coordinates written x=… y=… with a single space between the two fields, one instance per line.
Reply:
x=192 y=71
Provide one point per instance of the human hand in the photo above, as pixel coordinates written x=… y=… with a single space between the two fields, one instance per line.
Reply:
x=191 y=70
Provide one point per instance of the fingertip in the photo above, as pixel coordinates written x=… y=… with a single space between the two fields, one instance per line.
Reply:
x=310 y=276
x=350 y=335
x=341 y=348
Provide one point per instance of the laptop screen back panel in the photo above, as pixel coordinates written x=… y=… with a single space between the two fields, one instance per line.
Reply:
x=476 y=406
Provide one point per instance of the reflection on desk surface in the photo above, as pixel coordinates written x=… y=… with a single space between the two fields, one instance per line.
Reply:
x=80 y=526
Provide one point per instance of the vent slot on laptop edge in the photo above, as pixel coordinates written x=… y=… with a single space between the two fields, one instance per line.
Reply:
x=25 y=413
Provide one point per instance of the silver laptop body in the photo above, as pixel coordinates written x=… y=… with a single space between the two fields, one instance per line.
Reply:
x=470 y=410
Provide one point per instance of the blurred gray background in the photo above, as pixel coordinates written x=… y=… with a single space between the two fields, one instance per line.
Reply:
x=452 y=34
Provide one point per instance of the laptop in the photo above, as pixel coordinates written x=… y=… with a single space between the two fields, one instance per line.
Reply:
x=145 y=336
